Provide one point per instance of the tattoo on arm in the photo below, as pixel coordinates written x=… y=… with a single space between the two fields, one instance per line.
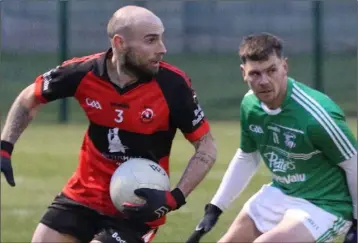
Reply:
x=199 y=165
x=17 y=120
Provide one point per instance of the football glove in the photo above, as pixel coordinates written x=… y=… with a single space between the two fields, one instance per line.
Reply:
x=211 y=216
x=5 y=163
x=158 y=203
x=351 y=236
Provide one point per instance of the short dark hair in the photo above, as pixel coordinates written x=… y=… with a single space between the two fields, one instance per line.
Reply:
x=258 y=47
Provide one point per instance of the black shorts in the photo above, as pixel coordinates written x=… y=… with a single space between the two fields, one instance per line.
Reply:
x=69 y=217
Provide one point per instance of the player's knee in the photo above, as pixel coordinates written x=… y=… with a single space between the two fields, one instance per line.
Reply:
x=245 y=223
x=243 y=229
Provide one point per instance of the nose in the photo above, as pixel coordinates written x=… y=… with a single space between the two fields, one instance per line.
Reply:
x=162 y=49
x=264 y=80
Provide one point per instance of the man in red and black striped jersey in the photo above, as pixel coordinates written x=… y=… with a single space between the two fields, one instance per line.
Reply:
x=135 y=102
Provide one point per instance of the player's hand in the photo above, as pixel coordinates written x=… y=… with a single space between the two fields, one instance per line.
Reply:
x=5 y=163
x=158 y=203
x=211 y=217
x=351 y=236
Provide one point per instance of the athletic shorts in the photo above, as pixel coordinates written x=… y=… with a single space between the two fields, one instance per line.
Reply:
x=69 y=217
x=269 y=205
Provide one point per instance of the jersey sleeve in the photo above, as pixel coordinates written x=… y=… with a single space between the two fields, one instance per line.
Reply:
x=186 y=113
x=59 y=82
x=247 y=144
x=333 y=137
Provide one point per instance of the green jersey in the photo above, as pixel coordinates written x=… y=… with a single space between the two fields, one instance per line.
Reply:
x=302 y=143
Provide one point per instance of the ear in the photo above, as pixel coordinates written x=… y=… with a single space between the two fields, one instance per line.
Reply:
x=242 y=68
x=118 y=42
x=285 y=64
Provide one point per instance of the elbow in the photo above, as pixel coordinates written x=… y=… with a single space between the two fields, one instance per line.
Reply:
x=28 y=99
x=210 y=151
x=205 y=148
x=213 y=152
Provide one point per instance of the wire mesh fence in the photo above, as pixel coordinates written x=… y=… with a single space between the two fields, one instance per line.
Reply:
x=202 y=38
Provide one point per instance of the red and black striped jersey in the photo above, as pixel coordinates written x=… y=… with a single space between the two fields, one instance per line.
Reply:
x=139 y=120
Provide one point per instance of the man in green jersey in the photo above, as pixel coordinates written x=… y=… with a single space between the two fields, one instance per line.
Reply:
x=304 y=140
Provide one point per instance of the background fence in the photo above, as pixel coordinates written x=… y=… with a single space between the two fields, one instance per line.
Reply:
x=202 y=38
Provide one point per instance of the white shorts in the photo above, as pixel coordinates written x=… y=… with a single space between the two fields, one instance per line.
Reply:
x=268 y=206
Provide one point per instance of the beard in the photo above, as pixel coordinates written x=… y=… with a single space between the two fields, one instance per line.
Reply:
x=131 y=67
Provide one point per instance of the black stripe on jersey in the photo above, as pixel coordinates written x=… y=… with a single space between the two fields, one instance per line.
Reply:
x=63 y=81
x=170 y=82
x=185 y=112
x=116 y=144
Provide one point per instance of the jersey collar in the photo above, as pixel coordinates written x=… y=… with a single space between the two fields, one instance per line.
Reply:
x=102 y=64
x=276 y=111
x=103 y=73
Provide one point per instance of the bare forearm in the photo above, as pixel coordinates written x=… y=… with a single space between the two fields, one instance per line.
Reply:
x=20 y=115
x=199 y=165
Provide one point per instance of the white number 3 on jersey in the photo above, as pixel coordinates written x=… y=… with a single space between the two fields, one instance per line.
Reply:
x=119 y=117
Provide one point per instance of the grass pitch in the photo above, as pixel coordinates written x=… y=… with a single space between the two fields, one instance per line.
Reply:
x=46 y=156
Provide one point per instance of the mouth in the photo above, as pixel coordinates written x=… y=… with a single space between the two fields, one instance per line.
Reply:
x=155 y=63
x=265 y=91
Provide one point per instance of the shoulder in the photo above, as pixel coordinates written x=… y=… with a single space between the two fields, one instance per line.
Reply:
x=71 y=70
x=76 y=67
x=316 y=102
x=84 y=63
x=249 y=101
x=171 y=76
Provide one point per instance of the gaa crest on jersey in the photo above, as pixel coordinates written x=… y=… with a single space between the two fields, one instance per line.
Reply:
x=147 y=115
x=256 y=129
x=289 y=139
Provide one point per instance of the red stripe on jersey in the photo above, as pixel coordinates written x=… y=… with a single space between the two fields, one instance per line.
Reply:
x=176 y=70
x=5 y=154
x=164 y=163
x=154 y=224
x=90 y=182
x=199 y=132
x=38 y=89
x=82 y=59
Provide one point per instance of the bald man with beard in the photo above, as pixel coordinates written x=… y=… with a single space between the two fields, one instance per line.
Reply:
x=135 y=103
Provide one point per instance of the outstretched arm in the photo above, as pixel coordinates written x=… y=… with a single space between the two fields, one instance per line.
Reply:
x=241 y=168
x=199 y=165
x=350 y=168
x=21 y=113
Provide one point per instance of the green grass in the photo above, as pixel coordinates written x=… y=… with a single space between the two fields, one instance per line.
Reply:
x=216 y=78
x=46 y=156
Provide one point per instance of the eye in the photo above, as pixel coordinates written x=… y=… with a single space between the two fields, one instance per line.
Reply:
x=151 y=40
x=272 y=70
x=254 y=74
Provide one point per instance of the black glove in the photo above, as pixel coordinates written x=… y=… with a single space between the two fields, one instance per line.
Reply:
x=158 y=203
x=5 y=163
x=211 y=216
x=351 y=236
